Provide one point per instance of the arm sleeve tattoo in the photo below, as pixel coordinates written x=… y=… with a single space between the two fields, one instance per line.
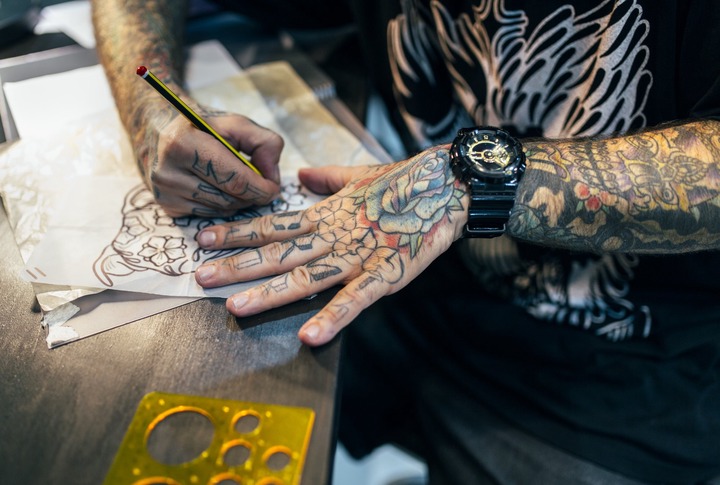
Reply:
x=652 y=192
x=131 y=33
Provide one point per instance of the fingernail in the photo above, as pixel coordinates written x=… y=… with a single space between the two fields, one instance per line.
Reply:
x=205 y=272
x=238 y=301
x=206 y=238
x=312 y=331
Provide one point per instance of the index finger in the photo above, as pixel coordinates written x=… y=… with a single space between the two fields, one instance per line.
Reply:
x=255 y=232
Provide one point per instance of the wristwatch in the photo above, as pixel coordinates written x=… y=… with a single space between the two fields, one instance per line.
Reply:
x=491 y=163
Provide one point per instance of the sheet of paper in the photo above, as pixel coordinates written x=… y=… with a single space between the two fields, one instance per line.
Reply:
x=99 y=312
x=208 y=63
x=45 y=105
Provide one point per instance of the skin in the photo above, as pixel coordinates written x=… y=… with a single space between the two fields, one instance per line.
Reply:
x=656 y=192
x=188 y=171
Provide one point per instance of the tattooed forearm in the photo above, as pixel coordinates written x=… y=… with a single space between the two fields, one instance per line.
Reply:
x=652 y=192
x=132 y=33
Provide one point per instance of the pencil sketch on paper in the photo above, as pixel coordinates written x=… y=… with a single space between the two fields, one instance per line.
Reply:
x=149 y=240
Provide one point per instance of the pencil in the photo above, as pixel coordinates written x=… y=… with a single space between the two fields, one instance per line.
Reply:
x=191 y=115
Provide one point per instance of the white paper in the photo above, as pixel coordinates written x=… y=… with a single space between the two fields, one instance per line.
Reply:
x=72 y=18
x=47 y=104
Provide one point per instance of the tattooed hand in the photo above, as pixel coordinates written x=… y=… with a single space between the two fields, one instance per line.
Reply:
x=383 y=227
x=190 y=172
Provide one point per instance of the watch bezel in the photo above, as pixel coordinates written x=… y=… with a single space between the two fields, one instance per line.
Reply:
x=466 y=165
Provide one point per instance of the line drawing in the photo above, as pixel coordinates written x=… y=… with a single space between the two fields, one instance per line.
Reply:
x=150 y=240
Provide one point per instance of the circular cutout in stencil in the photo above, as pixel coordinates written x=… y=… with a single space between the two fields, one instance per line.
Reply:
x=236 y=453
x=246 y=422
x=277 y=457
x=179 y=435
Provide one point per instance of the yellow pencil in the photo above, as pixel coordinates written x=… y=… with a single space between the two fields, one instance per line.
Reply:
x=191 y=115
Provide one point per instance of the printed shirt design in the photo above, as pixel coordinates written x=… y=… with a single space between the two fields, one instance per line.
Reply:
x=572 y=74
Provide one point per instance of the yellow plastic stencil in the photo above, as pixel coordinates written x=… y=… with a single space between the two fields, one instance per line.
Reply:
x=251 y=444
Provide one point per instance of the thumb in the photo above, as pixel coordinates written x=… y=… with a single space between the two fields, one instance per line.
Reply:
x=329 y=179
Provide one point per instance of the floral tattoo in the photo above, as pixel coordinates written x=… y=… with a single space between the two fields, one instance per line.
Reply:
x=376 y=225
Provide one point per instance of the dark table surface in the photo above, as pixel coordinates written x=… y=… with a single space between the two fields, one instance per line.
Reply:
x=65 y=411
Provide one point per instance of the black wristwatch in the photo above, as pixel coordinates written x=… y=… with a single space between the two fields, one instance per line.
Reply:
x=491 y=162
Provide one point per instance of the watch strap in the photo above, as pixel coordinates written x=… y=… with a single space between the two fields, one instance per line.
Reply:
x=489 y=209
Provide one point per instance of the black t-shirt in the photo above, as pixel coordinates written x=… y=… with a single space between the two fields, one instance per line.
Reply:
x=556 y=68
x=615 y=358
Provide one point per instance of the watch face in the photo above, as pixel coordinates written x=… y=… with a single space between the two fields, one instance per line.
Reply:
x=490 y=153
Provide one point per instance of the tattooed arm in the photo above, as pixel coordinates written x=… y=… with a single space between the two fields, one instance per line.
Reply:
x=656 y=192
x=189 y=171
x=652 y=192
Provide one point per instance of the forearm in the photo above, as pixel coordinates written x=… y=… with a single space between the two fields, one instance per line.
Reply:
x=652 y=192
x=139 y=32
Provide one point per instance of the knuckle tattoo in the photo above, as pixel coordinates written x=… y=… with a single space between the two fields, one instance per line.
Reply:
x=301 y=276
x=275 y=252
